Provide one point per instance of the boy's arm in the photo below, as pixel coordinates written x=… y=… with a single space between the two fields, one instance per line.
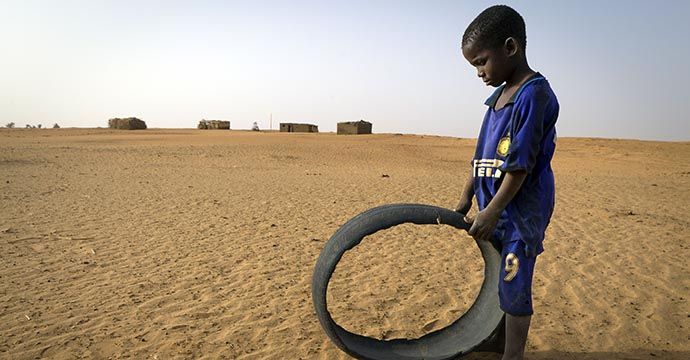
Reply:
x=484 y=223
x=466 y=196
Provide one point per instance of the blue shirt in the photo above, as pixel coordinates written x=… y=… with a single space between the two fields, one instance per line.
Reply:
x=519 y=136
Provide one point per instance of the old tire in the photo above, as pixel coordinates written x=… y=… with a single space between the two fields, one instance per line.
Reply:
x=473 y=330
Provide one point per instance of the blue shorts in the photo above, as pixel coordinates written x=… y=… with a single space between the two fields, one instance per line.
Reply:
x=515 y=281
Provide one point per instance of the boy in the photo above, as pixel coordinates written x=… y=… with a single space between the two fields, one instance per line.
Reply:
x=511 y=171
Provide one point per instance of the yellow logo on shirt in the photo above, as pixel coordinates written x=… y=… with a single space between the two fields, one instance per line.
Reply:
x=503 y=146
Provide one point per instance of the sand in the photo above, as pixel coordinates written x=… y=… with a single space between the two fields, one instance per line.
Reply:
x=200 y=244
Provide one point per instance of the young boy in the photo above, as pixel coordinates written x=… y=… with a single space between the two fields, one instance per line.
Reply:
x=511 y=171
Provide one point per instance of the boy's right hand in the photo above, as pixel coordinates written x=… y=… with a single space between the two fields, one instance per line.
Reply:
x=464 y=207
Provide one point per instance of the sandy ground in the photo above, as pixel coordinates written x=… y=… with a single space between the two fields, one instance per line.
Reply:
x=200 y=244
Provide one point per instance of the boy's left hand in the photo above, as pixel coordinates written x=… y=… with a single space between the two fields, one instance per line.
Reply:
x=483 y=225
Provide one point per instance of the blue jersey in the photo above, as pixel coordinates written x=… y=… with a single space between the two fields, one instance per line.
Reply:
x=519 y=136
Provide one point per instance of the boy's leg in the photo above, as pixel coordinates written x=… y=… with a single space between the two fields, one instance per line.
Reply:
x=515 y=293
x=517 y=328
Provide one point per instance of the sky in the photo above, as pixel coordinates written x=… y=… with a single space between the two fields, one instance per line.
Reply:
x=620 y=69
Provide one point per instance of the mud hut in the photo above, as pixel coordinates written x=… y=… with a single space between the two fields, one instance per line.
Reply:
x=293 y=127
x=130 y=123
x=214 y=125
x=354 y=127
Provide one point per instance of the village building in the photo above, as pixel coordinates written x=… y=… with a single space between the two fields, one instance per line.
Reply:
x=354 y=127
x=213 y=125
x=130 y=123
x=293 y=127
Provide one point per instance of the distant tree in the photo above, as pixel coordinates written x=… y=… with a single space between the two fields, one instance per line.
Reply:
x=56 y=126
x=28 y=126
x=39 y=126
x=10 y=125
x=255 y=126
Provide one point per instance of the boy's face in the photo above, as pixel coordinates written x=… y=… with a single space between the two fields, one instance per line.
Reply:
x=494 y=65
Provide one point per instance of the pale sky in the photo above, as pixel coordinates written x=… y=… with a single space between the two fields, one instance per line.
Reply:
x=620 y=69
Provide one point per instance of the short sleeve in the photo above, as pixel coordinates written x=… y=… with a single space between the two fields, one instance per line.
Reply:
x=526 y=129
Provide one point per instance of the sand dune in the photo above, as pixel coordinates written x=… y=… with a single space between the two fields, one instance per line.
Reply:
x=200 y=244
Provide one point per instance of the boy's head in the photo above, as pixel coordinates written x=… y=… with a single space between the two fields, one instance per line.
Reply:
x=495 y=43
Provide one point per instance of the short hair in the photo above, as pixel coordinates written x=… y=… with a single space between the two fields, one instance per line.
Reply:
x=494 y=25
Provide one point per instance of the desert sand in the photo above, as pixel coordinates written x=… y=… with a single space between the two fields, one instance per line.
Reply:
x=160 y=244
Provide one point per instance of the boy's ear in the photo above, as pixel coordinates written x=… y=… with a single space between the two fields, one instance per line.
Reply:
x=510 y=46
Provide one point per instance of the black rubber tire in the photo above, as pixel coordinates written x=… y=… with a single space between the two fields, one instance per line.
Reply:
x=475 y=328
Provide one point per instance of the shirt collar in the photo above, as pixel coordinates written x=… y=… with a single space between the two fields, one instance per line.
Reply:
x=491 y=101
